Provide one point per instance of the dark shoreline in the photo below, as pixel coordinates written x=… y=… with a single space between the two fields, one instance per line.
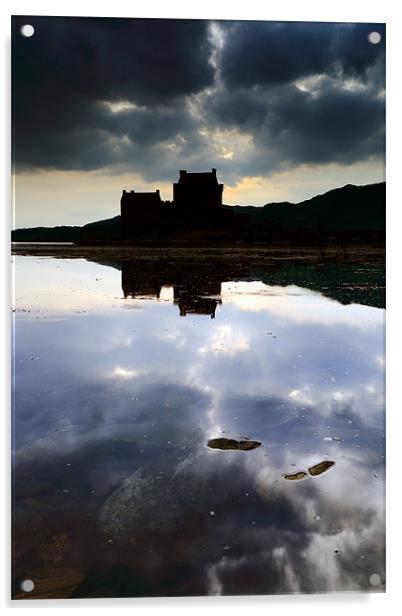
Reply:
x=228 y=253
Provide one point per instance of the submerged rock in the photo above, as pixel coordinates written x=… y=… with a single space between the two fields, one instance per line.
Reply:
x=151 y=505
x=231 y=443
x=295 y=476
x=320 y=468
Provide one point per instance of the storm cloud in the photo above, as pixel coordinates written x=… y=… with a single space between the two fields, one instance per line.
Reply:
x=150 y=96
x=258 y=53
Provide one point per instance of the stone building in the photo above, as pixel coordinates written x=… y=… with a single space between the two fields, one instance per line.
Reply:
x=197 y=191
x=140 y=211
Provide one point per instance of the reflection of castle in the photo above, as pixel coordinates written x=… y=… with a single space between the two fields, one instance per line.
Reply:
x=140 y=280
x=197 y=281
x=195 y=195
x=196 y=290
x=197 y=297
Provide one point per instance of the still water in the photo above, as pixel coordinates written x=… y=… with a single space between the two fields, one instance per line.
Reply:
x=124 y=371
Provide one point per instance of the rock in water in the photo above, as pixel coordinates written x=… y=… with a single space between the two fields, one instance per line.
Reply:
x=320 y=468
x=231 y=443
x=295 y=476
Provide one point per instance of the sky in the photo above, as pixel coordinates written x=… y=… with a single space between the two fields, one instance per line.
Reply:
x=282 y=110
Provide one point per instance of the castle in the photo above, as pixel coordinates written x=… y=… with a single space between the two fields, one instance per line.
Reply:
x=197 y=198
x=200 y=190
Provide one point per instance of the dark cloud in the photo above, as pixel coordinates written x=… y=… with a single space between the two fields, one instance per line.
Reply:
x=275 y=53
x=98 y=138
x=290 y=126
x=146 y=60
x=66 y=76
x=70 y=64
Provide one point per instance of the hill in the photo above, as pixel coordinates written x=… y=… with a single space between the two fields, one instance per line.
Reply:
x=343 y=215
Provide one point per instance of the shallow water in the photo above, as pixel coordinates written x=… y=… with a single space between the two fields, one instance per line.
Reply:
x=122 y=374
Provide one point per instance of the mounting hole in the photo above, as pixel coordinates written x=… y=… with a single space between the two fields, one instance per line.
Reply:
x=27 y=30
x=375 y=579
x=27 y=585
x=374 y=38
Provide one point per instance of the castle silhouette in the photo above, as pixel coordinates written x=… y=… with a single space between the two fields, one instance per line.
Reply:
x=197 y=200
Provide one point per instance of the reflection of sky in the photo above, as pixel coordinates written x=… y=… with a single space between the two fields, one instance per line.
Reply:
x=95 y=373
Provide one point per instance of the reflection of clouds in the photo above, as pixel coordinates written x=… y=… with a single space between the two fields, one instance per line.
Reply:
x=64 y=286
x=346 y=560
x=142 y=389
x=264 y=529
x=227 y=341
x=123 y=373
x=297 y=304
x=283 y=562
x=166 y=293
x=345 y=537
x=119 y=408
x=302 y=396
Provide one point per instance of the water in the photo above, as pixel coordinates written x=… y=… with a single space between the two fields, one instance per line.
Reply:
x=124 y=370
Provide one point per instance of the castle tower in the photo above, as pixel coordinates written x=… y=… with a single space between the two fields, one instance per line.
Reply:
x=197 y=191
x=139 y=212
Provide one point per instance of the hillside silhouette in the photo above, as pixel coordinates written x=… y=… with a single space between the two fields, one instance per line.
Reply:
x=343 y=216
